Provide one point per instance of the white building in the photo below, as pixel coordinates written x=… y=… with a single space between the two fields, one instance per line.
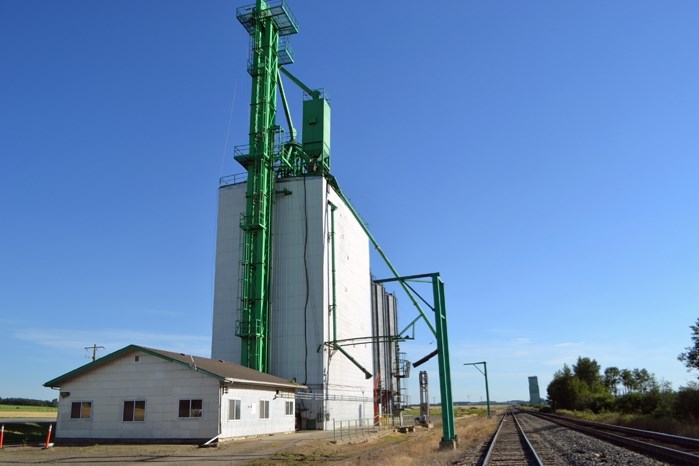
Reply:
x=301 y=317
x=142 y=394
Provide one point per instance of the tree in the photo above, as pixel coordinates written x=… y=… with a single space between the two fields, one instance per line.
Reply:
x=560 y=391
x=579 y=388
x=644 y=380
x=612 y=378
x=628 y=381
x=690 y=358
x=587 y=370
x=687 y=402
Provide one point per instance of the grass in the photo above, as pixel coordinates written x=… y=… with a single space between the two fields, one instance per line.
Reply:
x=315 y=456
x=436 y=411
x=419 y=448
x=26 y=433
x=25 y=409
x=422 y=448
x=10 y=412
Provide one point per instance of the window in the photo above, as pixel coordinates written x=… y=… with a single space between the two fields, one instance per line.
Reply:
x=135 y=410
x=233 y=410
x=264 y=409
x=81 y=410
x=289 y=408
x=190 y=408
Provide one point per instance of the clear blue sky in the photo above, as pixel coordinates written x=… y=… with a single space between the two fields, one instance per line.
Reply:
x=541 y=155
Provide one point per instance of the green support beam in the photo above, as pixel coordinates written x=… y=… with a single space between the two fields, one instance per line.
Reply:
x=265 y=22
x=449 y=438
x=485 y=373
x=333 y=182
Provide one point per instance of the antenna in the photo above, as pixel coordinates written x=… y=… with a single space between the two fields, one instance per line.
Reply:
x=94 y=349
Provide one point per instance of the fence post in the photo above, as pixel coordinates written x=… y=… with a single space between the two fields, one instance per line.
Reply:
x=334 y=432
x=2 y=434
x=48 y=437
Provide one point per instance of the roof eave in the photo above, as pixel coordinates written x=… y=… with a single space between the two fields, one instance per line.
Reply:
x=266 y=384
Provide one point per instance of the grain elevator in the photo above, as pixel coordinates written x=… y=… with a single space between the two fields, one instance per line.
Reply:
x=292 y=289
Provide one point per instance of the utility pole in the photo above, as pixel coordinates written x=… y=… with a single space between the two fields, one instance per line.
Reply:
x=485 y=373
x=94 y=349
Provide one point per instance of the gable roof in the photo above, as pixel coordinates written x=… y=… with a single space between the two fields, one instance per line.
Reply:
x=224 y=371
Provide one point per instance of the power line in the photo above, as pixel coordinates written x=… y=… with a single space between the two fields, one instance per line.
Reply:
x=94 y=349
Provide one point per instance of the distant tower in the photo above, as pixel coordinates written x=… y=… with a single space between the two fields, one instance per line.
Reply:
x=534 y=397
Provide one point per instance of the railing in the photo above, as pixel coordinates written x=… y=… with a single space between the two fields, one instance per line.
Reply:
x=355 y=429
x=277 y=9
x=232 y=179
x=344 y=431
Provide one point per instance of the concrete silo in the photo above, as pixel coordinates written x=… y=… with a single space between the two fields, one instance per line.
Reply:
x=292 y=293
x=312 y=227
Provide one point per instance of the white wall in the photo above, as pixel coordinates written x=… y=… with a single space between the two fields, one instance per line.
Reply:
x=250 y=422
x=231 y=205
x=160 y=383
x=300 y=321
x=353 y=316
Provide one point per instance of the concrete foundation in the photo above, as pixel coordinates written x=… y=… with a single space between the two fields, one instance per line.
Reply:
x=448 y=444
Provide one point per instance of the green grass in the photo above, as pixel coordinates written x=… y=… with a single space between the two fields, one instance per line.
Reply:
x=436 y=411
x=460 y=411
x=26 y=433
x=31 y=409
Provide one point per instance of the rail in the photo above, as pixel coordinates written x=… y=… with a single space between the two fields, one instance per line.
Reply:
x=665 y=446
x=510 y=444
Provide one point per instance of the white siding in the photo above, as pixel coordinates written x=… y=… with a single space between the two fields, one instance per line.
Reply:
x=231 y=205
x=250 y=422
x=353 y=316
x=162 y=384
x=300 y=321
x=298 y=309
x=159 y=382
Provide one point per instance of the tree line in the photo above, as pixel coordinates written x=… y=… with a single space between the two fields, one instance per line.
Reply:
x=28 y=402
x=585 y=386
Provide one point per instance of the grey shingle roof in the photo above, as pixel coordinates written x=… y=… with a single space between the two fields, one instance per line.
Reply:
x=225 y=371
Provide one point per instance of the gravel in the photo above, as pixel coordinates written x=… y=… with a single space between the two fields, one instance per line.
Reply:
x=574 y=448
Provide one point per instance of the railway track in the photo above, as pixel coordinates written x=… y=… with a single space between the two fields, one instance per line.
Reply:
x=671 y=448
x=511 y=446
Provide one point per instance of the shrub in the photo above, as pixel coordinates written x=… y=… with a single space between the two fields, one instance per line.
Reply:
x=686 y=403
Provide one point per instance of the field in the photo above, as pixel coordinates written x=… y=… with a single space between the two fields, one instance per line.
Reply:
x=24 y=412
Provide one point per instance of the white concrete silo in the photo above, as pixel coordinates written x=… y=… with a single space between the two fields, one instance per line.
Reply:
x=301 y=320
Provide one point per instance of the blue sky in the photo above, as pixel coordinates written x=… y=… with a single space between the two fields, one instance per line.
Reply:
x=540 y=155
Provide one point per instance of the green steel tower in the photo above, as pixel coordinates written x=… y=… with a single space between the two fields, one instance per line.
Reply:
x=266 y=158
x=266 y=22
